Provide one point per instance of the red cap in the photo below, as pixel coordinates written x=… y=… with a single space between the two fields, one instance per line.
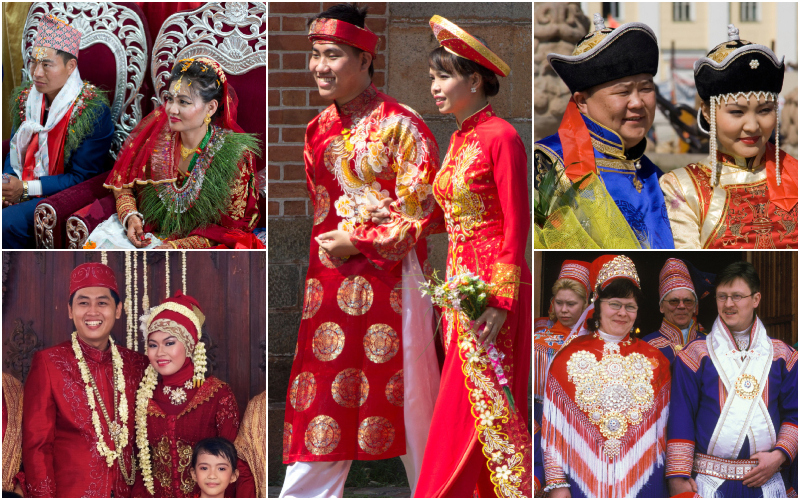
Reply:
x=576 y=270
x=182 y=309
x=92 y=274
x=608 y=267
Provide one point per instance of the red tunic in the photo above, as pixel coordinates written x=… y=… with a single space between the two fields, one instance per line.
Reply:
x=475 y=436
x=59 y=452
x=173 y=430
x=346 y=390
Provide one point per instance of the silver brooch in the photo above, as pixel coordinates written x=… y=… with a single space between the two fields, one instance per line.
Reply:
x=754 y=64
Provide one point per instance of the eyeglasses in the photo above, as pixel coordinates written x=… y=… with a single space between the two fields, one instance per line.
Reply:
x=631 y=308
x=736 y=297
x=677 y=302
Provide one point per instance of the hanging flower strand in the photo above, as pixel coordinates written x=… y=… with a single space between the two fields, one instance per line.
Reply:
x=129 y=319
x=145 y=297
x=166 y=254
x=135 y=297
x=104 y=257
x=183 y=271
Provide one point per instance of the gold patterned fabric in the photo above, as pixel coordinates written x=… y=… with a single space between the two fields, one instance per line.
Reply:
x=12 y=432
x=349 y=346
x=251 y=442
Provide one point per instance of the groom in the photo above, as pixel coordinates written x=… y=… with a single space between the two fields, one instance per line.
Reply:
x=63 y=454
x=361 y=389
x=61 y=130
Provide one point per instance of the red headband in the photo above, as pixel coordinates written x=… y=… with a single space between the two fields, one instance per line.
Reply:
x=324 y=30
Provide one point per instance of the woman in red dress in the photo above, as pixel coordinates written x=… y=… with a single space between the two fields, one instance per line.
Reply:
x=477 y=437
x=570 y=299
x=176 y=406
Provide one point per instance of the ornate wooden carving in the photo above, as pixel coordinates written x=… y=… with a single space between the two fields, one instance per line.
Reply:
x=20 y=348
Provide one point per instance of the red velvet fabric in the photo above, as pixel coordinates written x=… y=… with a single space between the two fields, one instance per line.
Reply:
x=253 y=109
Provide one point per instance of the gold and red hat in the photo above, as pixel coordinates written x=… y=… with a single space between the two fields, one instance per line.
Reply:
x=92 y=274
x=325 y=30
x=181 y=317
x=460 y=43
x=576 y=270
x=58 y=35
x=610 y=267
x=674 y=276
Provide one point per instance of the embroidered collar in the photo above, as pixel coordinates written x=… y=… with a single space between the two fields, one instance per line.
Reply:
x=475 y=118
x=93 y=354
x=675 y=334
x=610 y=143
x=741 y=163
x=360 y=102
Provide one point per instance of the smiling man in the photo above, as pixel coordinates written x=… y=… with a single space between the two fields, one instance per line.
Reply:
x=350 y=395
x=679 y=306
x=610 y=74
x=61 y=130
x=78 y=409
x=733 y=413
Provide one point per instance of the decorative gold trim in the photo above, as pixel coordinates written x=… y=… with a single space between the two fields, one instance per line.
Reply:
x=195 y=316
x=747 y=386
x=448 y=27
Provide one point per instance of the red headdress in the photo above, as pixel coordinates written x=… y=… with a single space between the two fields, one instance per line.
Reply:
x=674 y=276
x=576 y=270
x=609 y=267
x=58 y=35
x=325 y=30
x=153 y=132
x=460 y=43
x=182 y=317
x=92 y=274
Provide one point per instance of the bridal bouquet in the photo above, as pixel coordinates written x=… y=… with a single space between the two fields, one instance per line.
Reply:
x=469 y=294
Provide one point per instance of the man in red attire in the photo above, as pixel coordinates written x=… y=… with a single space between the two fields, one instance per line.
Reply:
x=72 y=390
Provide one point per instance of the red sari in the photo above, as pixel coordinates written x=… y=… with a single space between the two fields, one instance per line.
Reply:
x=59 y=452
x=346 y=387
x=483 y=190
x=173 y=430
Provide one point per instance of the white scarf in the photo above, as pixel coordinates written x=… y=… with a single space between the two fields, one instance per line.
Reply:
x=33 y=117
x=741 y=417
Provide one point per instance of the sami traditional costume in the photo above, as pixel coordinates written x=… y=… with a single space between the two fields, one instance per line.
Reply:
x=729 y=403
x=365 y=326
x=251 y=443
x=174 y=412
x=729 y=201
x=605 y=409
x=669 y=339
x=477 y=437
x=583 y=146
x=549 y=335
x=60 y=446
x=54 y=145
x=12 y=433
x=538 y=462
x=215 y=203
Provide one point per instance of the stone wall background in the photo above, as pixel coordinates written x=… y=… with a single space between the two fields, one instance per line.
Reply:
x=401 y=70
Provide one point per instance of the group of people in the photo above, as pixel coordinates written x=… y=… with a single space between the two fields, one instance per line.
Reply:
x=98 y=420
x=743 y=196
x=184 y=178
x=679 y=412
x=365 y=382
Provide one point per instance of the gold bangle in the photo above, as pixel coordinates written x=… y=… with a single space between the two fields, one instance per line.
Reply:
x=173 y=244
x=24 y=191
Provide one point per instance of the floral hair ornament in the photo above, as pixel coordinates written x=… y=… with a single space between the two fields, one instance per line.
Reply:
x=733 y=69
x=324 y=30
x=460 y=43
x=182 y=317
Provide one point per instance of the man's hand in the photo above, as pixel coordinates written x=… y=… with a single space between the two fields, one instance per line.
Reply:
x=12 y=191
x=768 y=464
x=679 y=485
x=136 y=233
x=337 y=244
x=380 y=212
x=494 y=319
x=559 y=493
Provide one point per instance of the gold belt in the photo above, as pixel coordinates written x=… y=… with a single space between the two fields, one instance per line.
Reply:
x=722 y=468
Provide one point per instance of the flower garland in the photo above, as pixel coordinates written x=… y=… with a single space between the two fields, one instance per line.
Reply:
x=183 y=271
x=103 y=257
x=115 y=430
x=128 y=316
x=135 y=295
x=143 y=396
x=166 y=255
x=145 y=297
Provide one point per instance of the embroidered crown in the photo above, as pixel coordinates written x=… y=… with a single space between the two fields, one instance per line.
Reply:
x=610 y=267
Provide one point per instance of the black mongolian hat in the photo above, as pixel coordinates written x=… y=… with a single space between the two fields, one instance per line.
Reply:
x=605 y=55
x=738 y=66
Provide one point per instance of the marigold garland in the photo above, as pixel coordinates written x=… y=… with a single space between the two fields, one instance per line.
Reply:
x=122 y=407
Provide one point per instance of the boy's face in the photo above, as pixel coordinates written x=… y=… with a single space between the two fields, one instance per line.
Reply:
x=213 y=474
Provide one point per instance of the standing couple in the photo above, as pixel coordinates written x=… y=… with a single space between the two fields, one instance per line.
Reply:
x=365 y=383
x=743 y=196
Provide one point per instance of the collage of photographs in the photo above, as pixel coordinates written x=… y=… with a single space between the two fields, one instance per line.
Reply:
x=486 y=249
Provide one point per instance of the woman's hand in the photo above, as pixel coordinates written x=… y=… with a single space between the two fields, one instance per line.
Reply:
x=136 y=233
x=380 y=212
x=337 y=243
x=769 y=463
x=493 y=318
x=164 y=246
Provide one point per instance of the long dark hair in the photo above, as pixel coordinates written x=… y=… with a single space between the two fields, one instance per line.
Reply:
x=620 y=288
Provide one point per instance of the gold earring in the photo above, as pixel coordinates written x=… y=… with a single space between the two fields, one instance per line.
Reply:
x=207 y=119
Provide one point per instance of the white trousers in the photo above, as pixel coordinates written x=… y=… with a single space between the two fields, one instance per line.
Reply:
x=421 y=387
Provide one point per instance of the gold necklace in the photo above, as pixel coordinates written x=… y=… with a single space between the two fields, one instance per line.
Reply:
x=185 y=152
